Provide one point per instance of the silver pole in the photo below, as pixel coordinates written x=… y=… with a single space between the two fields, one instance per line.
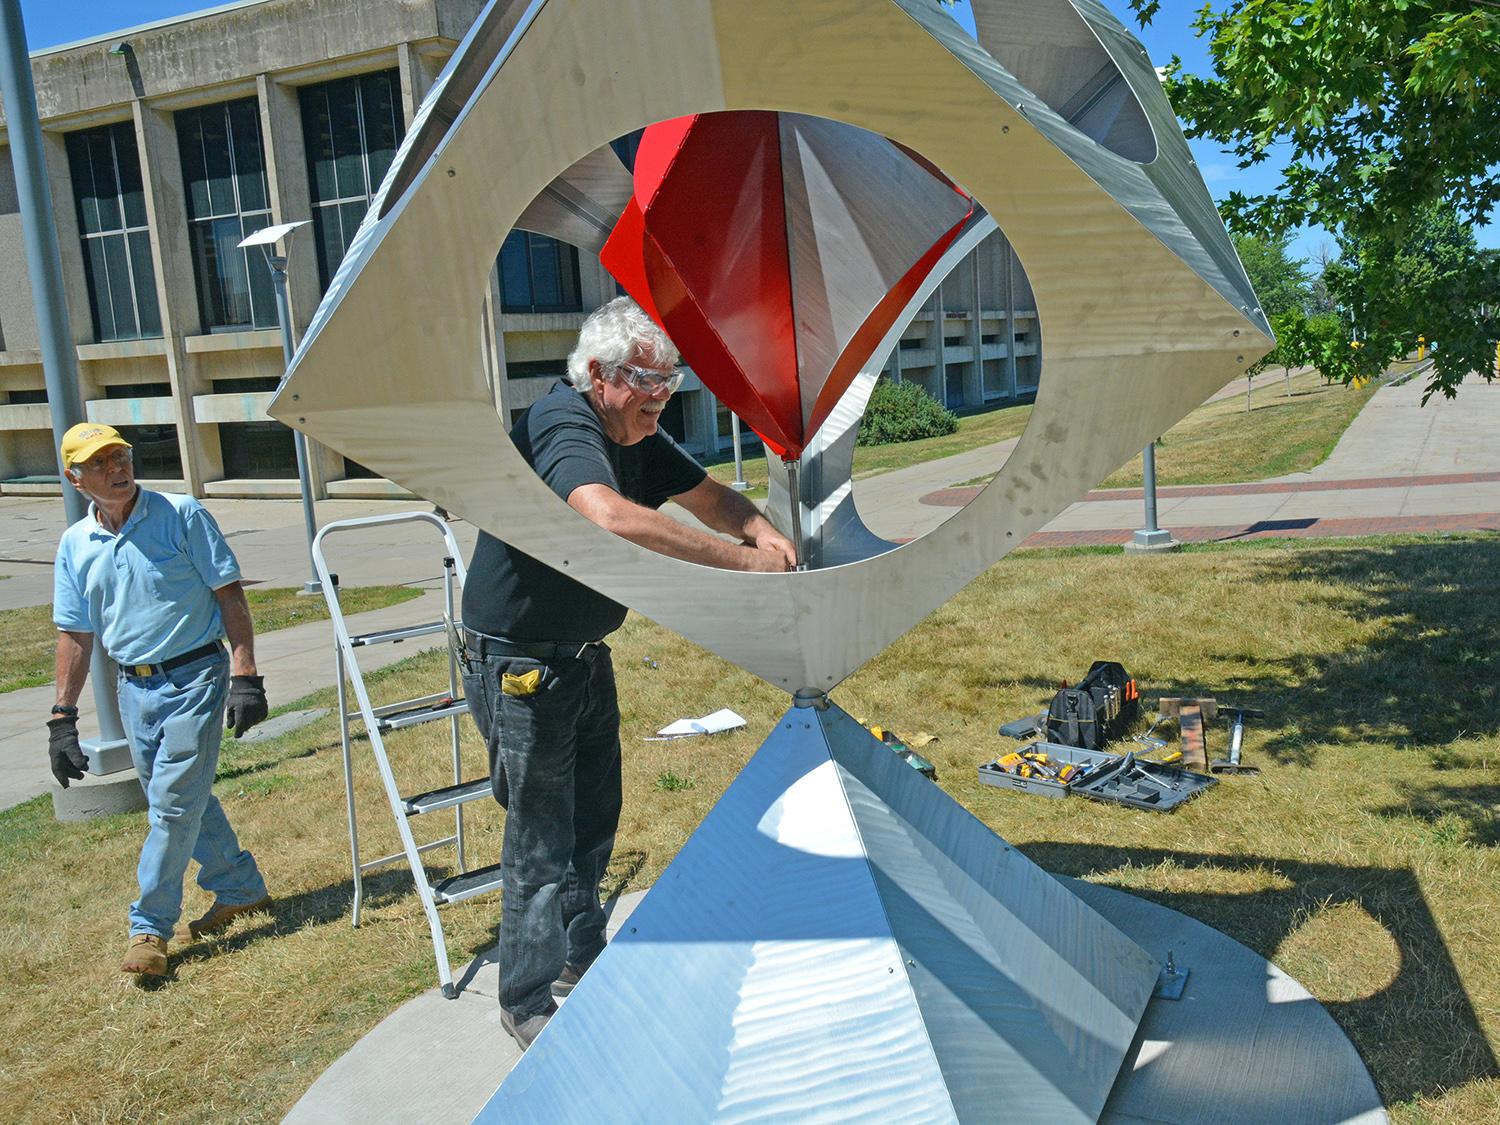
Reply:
x=739 y=461
x=1148 y=470
x=54 y=332
x=794 y=497
x=1151 y=537
x=299 y=440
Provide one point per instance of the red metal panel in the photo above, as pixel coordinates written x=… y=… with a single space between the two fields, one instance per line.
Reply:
x=703 y=248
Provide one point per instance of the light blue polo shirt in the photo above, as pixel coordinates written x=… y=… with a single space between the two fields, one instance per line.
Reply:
x=147 y=592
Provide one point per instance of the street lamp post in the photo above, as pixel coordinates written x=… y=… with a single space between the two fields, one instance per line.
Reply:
x=1150 y=538
x=740 y=484
x=111 y=753
x=267 y=240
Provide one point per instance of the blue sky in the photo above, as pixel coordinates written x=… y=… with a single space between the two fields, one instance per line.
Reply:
x=50 y=22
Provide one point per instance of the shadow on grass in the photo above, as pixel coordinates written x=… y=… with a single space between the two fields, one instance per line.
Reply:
x=297 y=912
x=1428 y=675
x=1419 y=1034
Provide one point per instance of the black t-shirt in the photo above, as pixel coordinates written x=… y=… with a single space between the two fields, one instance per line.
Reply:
x=509 y=593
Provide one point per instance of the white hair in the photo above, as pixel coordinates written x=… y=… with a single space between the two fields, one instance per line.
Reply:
x=612 y=334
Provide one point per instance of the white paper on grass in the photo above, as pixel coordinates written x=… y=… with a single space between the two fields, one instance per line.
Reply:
x=721 y=720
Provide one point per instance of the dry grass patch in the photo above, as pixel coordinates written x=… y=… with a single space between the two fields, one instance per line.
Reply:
x=1363 y=859
x=1219 y=443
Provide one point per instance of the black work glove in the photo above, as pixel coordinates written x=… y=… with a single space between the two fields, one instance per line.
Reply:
x=68 y=758
x=247 y=703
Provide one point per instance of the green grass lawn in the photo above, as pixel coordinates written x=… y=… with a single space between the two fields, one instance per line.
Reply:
x=1219 y=443
x=28 y=637
x=1364 y=860
x=974 y=430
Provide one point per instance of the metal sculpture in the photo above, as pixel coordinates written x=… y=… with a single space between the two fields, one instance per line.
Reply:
x=839 y=938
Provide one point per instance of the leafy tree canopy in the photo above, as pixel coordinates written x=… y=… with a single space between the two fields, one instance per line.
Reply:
x=1280 y=280
x=1387 y=113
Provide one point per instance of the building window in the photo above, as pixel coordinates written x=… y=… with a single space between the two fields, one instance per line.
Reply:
x=138 y=390
x=155 y=451
x=257 y=451
x=538 y=274
x=748 y=437
x=224 y=176
x=111 y=203
x=351 y=127
x=252 y=384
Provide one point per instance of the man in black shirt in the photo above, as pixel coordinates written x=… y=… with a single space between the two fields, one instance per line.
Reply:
x=538 y=676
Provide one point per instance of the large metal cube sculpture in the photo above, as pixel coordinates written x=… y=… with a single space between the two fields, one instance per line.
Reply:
x=830 y=884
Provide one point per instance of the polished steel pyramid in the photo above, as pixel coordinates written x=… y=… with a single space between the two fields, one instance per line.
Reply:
x=840 y=940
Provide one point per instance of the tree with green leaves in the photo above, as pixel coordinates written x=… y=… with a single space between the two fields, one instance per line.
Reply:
x=1387 y=113
x=1282 y=285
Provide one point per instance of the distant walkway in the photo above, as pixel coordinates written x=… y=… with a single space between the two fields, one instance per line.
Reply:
x=1399 y=467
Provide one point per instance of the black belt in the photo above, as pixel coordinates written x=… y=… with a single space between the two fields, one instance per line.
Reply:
x=480 y=645
x=143 y=670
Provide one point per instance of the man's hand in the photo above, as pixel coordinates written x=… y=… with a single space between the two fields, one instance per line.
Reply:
x=68 y=759
x=778 y=546
x=247 y=703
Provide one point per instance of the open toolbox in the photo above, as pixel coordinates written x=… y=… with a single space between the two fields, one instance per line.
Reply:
x=1121 y=779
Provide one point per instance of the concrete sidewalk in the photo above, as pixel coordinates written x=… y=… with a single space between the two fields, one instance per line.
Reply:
x=1398 y=467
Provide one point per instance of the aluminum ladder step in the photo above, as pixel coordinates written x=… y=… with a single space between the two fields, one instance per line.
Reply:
x=422 y=713
x=447 y=797
x=456 y=888
x=396 y=636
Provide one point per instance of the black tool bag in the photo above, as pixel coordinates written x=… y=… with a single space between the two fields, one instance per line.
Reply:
x=1117 y=703
x=1072 y=719
x=1103 y=707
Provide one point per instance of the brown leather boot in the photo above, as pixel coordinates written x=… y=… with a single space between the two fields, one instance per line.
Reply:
x=146 y=955
x=221 y=914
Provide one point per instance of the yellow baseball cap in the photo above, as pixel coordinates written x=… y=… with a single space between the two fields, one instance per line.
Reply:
x=86 y=439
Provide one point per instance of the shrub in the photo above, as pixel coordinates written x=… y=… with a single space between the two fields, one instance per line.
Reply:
x=903 y=412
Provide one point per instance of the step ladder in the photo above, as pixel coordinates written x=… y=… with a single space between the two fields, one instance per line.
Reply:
x=389 y=718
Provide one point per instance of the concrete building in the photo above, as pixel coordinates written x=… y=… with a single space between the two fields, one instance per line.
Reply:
x=168 y=143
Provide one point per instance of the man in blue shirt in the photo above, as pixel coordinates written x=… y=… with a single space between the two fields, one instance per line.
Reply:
x=152 y=578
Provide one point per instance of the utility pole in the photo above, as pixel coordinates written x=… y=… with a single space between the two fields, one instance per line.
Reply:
x=111 y=753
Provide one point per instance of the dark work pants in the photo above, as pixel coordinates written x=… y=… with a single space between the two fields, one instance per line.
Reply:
x=554 y=746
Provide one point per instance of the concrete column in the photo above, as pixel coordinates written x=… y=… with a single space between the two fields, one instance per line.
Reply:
x=166 y=211
x=418 y=71
x=291 y=201
x=1010 y=319
x=974 y=382
x=65 y=216
x=291 y=198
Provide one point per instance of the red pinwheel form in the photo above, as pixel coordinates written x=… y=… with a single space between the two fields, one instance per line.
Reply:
x=776 y=250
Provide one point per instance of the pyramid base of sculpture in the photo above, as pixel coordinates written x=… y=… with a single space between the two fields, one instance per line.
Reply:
x=840 y=939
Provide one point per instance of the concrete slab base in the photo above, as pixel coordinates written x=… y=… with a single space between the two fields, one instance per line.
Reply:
x=94 y=797
x=1246 y=1043
x=431 y=1060
x=1151 y=543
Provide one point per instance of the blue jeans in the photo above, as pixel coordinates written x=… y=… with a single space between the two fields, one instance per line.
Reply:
x=554 y=746
x=174 y=721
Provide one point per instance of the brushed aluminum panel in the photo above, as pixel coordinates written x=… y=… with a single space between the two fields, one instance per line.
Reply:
x=758 y=980
x=1026 y=993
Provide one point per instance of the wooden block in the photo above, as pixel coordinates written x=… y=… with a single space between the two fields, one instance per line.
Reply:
x=1194 y=746
x=1170 y=706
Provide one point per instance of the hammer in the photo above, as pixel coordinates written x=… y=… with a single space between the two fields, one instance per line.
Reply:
x=1237 y=717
